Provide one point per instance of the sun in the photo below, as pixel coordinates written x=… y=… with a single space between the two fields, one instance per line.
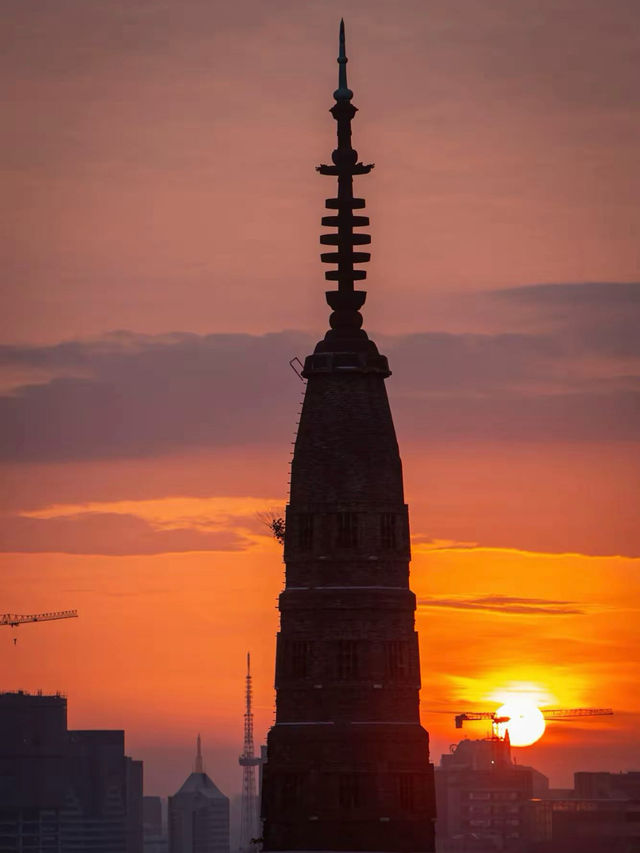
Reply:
x=526 y=724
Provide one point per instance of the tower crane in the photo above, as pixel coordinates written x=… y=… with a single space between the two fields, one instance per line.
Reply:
x=15 y=619
x=547 y=713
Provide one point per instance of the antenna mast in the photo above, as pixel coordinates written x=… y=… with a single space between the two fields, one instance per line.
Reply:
x=249 y=806
x=199 y=765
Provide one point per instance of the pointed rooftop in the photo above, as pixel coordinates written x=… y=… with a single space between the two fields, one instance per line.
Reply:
x=198 y=782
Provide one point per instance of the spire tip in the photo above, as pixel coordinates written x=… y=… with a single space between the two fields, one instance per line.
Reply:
x=342 y=93
x=199 y=764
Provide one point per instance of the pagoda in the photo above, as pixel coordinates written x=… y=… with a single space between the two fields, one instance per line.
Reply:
x=347 y=759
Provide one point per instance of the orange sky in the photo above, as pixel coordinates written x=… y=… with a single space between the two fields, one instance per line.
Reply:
x=159 y=173
x=159 y=645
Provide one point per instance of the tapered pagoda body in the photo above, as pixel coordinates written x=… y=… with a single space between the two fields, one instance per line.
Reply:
x=348 y=761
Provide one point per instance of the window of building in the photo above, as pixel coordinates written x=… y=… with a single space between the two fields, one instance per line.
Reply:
x=347 y=659
x=349 y=790
x=347 y=536
x=305 y=531
x=406 y=790
x=291 y=789
x=298 y=658
x=388 y=531
x=396 y=655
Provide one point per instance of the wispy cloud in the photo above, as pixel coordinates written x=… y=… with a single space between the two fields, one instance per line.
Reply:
x=115 y=534
x=168 y=525
x=505 y=604
x=425 y=543
x=133 y=396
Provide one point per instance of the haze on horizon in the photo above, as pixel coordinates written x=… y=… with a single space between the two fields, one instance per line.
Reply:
x=161 y=270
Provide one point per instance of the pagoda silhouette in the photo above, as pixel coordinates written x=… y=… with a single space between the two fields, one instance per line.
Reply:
x=347 y=759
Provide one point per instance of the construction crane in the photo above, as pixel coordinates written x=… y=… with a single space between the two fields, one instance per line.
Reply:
x=15 y=619
x=547 y=713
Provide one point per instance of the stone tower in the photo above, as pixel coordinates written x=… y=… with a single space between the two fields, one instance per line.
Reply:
x=348 y=761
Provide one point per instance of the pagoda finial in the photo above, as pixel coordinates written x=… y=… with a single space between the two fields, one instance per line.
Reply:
x=199 y=762
x=346 y=334
x=343 y=92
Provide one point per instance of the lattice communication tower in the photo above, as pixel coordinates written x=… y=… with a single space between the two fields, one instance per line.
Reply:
x=249 y=828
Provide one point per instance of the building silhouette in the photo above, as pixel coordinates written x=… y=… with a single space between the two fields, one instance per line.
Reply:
x=199 y=814
x=484 y=799
x=488 y=803
x=347 y=759
x=600 y=815
x=155 y=839
x=64 y=791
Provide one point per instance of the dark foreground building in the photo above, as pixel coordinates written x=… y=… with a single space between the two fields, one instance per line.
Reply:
x=348 y=761
x=64 y=791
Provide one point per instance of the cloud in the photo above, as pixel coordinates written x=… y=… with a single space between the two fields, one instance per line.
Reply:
x=593 y=317
x=128 y=395
x=159 y=526
x=577 y=295
x=109 y=534
x=506 y=604
x=427 y=543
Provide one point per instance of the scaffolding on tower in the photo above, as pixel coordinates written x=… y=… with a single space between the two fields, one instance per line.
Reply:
x=249 y=827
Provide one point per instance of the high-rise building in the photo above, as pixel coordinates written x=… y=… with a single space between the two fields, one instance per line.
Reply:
x=347 y=759
x=33 y=740
x=483 y=799
x=64 y=791
x=199 y=814
x=155 y=839
x=103 y=807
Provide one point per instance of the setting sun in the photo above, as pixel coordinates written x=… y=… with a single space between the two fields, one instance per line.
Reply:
x=525 y=721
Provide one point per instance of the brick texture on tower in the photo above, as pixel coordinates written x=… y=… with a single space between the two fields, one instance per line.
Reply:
x=347 y=761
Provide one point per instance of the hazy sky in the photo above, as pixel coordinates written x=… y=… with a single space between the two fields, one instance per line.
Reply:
x=161 y=268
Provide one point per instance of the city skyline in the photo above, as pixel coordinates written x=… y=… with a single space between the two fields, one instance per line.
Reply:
x=172 y=194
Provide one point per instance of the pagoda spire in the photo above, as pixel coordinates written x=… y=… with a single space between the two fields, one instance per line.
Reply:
x=342 y=92
x=347 y=764
x=345 y=320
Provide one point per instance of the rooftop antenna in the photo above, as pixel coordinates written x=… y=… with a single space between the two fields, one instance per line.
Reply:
x=199 y=763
